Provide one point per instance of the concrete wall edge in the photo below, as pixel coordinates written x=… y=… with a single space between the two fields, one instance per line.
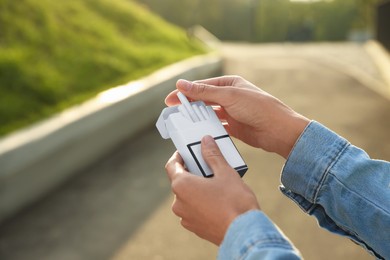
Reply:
x=35 y=160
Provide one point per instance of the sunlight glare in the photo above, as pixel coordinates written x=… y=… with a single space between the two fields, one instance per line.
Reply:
x=119 y=93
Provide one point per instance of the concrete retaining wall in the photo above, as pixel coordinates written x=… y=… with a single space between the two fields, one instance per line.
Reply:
x=34 y=161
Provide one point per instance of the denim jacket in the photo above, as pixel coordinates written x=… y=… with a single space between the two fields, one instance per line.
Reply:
x=332 y=180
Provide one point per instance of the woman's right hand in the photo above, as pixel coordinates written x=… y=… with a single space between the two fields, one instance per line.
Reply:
x=252 y=115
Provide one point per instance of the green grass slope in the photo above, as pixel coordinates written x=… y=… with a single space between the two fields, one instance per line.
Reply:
x=56 y=53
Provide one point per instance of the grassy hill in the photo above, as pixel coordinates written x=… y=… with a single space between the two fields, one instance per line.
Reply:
x=56 y=53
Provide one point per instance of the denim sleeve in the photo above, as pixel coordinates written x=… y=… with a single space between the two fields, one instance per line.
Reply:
x=340 y=185
x=253 y=236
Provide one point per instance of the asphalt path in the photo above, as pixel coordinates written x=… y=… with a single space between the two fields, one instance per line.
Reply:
x=119 y=208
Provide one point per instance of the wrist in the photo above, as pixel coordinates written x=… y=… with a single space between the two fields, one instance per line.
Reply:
x=288 y=132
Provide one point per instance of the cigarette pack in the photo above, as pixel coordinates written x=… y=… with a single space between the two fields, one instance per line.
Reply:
x=186 y=124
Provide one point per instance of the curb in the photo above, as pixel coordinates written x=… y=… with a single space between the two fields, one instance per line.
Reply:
x=36 y=160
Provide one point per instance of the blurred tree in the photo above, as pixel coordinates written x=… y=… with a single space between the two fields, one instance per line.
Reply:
x=366 y=13
x=270 y=20
x=334 y=19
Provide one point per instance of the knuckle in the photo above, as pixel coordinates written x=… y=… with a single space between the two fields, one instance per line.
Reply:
x=167 y=165
x=185 y=224
x=178 y=185
x=237 y=78
x=175 y=188
x=212 y=152
x=201 y=89
x=175 y=208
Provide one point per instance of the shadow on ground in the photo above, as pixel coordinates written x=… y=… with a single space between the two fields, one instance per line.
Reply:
x=91 y=215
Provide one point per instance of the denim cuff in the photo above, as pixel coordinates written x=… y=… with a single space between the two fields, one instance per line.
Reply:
x=315 y=152
x=249 y=230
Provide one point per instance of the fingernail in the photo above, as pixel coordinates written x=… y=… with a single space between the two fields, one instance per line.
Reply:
x=208 y=140
x=184 y=85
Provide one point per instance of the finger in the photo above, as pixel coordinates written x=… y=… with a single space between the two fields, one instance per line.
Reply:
x=201 y=91
x=186 y=224
x=172 y=99
x=221 y=113
x=222 y=81
x=219 y=81
x=174 y=166
x=228 y=129
x=177 y=207
x=213 y=156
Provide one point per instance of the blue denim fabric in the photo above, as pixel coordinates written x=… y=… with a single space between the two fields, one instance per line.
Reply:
x=253 y=236
x=332 y=180
x=340 y=185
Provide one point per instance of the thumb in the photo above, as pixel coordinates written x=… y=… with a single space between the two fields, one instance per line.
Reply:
x=202 y=91
x=213 y=156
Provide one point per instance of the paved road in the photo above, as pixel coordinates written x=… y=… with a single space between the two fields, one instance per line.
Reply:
x=119 y=208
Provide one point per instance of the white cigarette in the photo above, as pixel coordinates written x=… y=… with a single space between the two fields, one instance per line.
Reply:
x=204 y=112
x=184 y=112
x=198 y=113
x=187 y=106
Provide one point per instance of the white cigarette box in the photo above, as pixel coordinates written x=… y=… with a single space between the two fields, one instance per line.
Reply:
x=187 y=124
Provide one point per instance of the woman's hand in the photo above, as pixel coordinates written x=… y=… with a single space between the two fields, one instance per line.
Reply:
x=207 y=206
x=252 y=115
